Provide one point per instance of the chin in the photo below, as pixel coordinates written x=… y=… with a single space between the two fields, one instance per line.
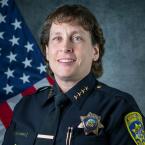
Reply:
x=65 y=76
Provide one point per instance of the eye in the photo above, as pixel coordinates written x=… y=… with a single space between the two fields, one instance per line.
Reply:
x=57 y=38
x=76 y=38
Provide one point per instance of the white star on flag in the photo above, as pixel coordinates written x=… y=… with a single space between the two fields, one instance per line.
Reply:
x=12 y=56
x=16 y=24
x=42 y=68
x=4 y=3
x=9 y=73
x=25 y=78
x=27 y=62
x=2 y=18
x=14 y=40
x=29 y=46
x=1 y=35
x=8 y=89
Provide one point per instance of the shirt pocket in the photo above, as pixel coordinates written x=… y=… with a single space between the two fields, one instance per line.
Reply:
x=23 y=135
x=79 y=138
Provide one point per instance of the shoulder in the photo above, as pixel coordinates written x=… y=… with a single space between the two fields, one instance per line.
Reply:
x=106 y=89
x=113 y=94
x=40 y=96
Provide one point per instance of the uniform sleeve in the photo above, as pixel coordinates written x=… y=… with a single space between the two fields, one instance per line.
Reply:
x=9 y=135
x=10 y=131
x=25 y=121
x=126 y=124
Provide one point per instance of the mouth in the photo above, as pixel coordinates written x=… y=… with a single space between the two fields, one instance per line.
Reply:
x=66 y=60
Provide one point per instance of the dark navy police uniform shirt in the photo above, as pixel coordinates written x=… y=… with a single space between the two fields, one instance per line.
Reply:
x=91 y=113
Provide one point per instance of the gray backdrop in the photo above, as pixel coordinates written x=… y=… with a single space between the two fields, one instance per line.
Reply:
x=123 y=22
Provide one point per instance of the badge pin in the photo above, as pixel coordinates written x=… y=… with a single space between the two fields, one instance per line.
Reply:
x=91 y=123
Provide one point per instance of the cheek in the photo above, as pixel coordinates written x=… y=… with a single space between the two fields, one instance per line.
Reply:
x=49 y=57
x=89 y=54
x=84 y=54
x=49 y=54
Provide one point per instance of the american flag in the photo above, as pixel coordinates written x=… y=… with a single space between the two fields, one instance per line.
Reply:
x=22 y=68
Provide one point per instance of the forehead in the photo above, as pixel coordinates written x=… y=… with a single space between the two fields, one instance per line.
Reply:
x=59 y=28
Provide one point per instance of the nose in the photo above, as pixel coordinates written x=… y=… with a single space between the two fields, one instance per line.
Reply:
x=67 y=46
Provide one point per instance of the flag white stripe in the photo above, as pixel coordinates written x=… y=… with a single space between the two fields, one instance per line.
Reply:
x=14 y=100
x=42 y=83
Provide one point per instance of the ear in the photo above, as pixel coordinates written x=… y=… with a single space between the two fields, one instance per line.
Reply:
x=96 y=53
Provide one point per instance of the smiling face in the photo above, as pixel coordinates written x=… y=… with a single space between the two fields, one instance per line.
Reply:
x=70 y=52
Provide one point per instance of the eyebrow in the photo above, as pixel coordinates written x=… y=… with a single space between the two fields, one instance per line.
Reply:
x=55 y=33
x=78 y=32
x=73 y=32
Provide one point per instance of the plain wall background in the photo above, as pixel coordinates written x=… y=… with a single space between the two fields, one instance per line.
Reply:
x=123 y=23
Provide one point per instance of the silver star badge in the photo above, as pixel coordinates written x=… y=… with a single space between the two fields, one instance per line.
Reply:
x=91 y=123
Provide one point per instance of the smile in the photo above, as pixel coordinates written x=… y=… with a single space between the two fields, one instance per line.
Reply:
x=66 y=60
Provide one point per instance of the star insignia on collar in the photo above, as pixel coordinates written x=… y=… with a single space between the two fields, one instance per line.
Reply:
x=91 y=123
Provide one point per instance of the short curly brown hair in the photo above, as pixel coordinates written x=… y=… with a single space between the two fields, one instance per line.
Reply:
x=82 y=16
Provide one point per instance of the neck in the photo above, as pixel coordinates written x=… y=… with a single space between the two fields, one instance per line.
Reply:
x=66 y=85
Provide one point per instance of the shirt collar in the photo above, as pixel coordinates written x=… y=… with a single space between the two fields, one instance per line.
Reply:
x=44 y=95
x=79 y=93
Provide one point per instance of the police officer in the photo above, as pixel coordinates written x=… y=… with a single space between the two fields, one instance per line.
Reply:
x=78 y=109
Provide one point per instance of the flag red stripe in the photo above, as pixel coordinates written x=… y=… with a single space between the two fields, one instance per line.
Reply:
x=6 y=114
x=50 y=80
x=29 y=91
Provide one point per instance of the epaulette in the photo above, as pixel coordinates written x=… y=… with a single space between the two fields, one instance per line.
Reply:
x=43 y=88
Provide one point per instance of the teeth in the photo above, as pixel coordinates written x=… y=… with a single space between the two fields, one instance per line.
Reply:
x=65 y=60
